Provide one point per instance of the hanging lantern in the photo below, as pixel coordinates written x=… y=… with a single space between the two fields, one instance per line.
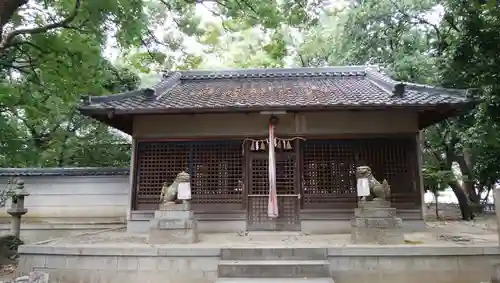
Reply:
x=257 y=145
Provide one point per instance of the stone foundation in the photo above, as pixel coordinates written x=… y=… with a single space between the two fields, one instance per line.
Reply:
x=173 y=224
x=375 y=222
x=191 y=264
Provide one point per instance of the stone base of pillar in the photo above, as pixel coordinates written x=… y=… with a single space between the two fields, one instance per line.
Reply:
x=173 y=224
x=496 y=198
x=495 y=274
x=375 y=222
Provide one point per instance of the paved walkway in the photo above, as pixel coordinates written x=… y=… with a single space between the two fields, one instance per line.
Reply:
x=481 y=231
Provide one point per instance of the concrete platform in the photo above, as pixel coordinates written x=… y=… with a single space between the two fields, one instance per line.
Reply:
x=90 y=263
x=440 y=255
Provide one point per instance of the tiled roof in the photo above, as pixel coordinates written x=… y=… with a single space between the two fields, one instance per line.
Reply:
x=349 y=86
x=74 y=171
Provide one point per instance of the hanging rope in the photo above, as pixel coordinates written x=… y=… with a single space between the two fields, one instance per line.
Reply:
x=272 y=205
x=260 y=144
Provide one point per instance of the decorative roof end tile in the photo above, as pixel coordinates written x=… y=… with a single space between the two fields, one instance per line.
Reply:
x=149 y=93
x=398 y=90
x=86 y=99
x=381 y=80
x=170 y=80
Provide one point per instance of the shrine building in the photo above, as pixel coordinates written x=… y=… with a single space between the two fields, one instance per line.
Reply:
x=328 y=121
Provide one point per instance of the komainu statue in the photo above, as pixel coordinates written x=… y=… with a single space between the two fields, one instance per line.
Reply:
x=381 y=191
x=169 y=193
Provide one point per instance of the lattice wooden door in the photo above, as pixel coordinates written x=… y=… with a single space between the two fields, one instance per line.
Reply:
x=287 y=189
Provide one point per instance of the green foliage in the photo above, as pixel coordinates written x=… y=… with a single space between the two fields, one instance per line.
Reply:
x=41 y=106
x=436 y=179
x=145 y=62
x=9 y=245
x=44 y=72
x=7 y=191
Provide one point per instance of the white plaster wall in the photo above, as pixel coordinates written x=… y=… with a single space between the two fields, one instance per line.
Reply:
x=74 y=198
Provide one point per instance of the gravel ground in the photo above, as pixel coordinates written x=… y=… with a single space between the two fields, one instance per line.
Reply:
x=7 y=272
x=481 y=231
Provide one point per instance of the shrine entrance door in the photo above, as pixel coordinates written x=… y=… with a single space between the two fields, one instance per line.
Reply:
x=287 y=190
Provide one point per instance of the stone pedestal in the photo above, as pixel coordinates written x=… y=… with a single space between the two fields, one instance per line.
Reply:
x=375 y=222
x=173 y=224
x=495 y=274
x=496 y=198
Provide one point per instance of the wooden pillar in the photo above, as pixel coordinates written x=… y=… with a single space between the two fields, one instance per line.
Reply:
x=132 y=176
x=298 y=171
x=420 y=188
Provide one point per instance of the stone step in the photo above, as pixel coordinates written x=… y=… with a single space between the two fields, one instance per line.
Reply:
x=273 y=268
x=271 y=235
x=275 y=280
x=274 y=254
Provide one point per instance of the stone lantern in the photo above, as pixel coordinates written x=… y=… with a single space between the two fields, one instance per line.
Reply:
x=17 y=208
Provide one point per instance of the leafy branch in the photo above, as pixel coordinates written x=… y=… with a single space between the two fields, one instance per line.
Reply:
x=8 y=191
x=10 y=38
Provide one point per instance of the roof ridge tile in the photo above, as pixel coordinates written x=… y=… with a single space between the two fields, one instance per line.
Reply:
x=274 y=72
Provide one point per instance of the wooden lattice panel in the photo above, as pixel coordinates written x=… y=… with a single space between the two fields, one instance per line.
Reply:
x=215 y=167
x=329 y=166
x=328 y=174
x=394 y=159
x=157 y=163
x=288 y=203
x=217 y=174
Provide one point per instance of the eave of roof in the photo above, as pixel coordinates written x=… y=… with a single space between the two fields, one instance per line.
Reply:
x=237 y=109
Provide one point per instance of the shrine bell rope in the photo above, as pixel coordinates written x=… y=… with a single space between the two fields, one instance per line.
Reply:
x=256 y=145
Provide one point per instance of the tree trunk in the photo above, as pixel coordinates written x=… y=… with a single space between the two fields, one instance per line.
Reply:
x=471 y=191
x=463 y=201
x=466 y=163
x=474 y=197
x=7 y=10
x=436 y=203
